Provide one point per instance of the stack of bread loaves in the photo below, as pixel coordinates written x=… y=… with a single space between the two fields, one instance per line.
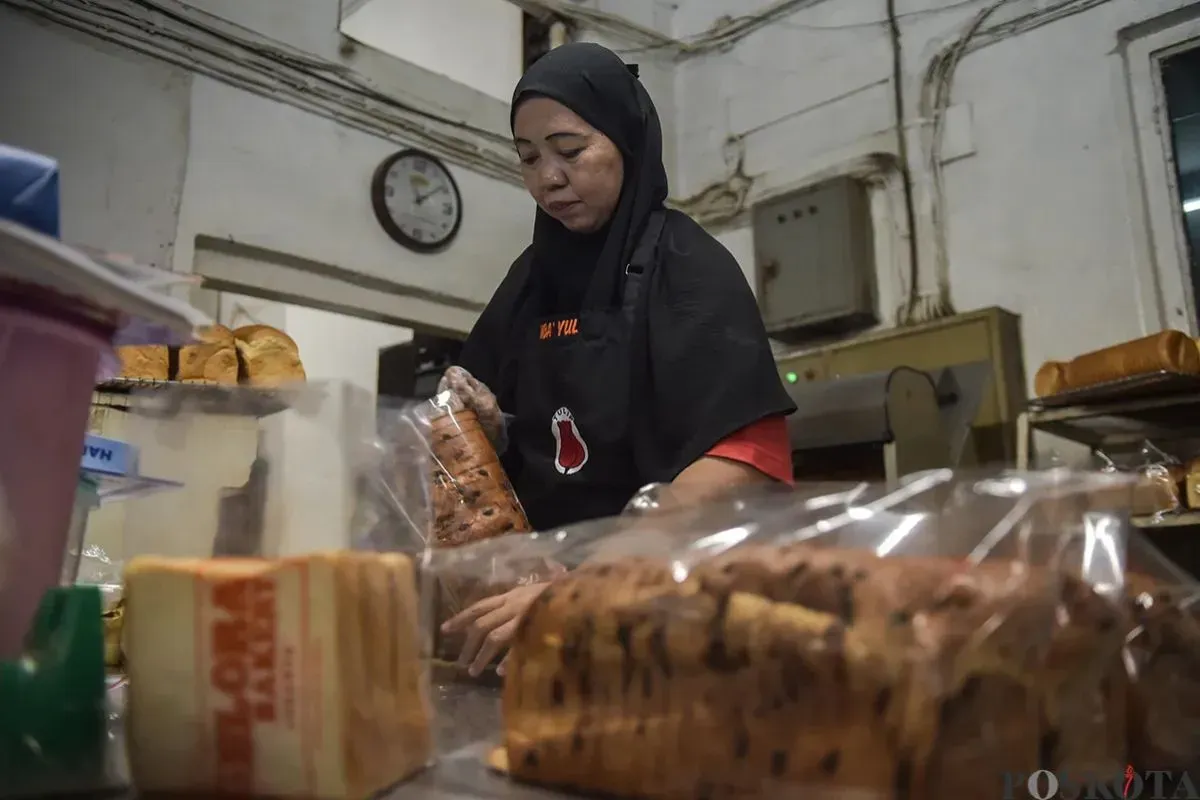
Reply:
x=819 y=672
x=299 y=677
x=1166 y=351
x=255 y=355
x=1166 y=486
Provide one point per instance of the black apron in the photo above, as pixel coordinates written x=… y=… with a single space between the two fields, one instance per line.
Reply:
x=569 y=455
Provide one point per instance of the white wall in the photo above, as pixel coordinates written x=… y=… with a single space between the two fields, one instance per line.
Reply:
x=1043 y=216
x=153 y=157
x=309 y=498
x=313 y=27
x=656 y=67
x=476 y=42
x=344 y=348
x=1047 y=207
x=265 y=174
x=117 y=123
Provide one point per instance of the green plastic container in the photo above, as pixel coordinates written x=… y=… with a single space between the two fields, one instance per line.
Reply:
x=53 y=717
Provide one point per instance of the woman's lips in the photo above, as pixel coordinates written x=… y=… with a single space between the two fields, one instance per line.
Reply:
x=561 y=206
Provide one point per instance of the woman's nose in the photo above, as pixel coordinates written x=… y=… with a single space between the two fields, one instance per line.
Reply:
x=552 y=177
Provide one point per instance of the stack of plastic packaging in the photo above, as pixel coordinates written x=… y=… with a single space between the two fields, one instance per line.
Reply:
x=961 y=635
x=60 y=311
x=271 y=632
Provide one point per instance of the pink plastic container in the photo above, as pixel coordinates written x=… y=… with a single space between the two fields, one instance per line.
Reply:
x=49 y=355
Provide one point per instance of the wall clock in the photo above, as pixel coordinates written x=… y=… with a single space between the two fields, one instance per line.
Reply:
x=416 y=201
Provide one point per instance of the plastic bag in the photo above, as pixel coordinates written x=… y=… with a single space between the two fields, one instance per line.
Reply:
x=947 y=638
x=478 y=398
x=1163 y=662
x=471 y=500
x=309 y=510
x=471 y=495
x=392 y=508
x=1160 y=477
x=138 y=330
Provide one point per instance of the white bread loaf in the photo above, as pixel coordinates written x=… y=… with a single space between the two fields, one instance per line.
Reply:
x=213 y=360
x=215 y=334
x=298 y=677
x=208 y=363
x=270 y=357
x=149 y=362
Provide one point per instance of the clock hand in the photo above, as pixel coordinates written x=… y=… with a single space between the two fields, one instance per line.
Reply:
x=421 y=198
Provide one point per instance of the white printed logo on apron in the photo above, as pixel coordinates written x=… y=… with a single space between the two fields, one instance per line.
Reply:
x=570 y=451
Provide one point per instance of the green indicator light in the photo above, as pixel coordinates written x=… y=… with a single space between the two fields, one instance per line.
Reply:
x=792 y=377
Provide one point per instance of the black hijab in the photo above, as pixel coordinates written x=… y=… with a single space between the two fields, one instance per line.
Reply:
x=701 y=365
x=575 y=272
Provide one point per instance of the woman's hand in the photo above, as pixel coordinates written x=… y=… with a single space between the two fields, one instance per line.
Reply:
x=476 y=396
x=490 y=625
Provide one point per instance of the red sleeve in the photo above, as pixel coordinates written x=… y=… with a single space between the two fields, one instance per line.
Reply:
x=763 y=445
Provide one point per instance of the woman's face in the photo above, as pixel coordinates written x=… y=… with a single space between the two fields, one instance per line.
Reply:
x=573 y=171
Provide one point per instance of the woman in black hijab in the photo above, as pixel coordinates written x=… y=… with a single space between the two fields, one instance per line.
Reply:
x=624 y=346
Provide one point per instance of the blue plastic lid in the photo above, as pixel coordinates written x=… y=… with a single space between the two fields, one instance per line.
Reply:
x=29 y=190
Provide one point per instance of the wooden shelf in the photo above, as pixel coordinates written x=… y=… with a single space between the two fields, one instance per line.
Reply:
x=1122 y=423
x=1116 y=425
x=1185 y=519
x=171 y=397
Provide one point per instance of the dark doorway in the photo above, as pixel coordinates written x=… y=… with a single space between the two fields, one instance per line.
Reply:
x=411 y=370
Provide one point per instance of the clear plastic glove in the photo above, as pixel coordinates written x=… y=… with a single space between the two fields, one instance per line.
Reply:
x=476 y=396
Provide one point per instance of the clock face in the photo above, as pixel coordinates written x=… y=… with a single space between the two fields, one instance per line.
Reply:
x=416 y=201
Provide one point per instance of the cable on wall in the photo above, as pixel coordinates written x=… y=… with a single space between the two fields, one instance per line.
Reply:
x=171 y=32
x=726 y=32
x=722 y=199
x=935 y=100
x=725 y=199
x=910 y=213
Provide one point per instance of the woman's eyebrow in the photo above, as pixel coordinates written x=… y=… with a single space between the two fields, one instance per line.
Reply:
x=554 y=136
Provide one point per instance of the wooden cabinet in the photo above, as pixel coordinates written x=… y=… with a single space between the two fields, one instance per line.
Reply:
x=805 y=368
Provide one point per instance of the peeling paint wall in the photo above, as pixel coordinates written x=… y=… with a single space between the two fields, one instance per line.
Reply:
x=1044 y=195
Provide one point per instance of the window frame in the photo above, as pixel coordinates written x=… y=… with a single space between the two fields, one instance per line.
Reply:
x=1167 y=297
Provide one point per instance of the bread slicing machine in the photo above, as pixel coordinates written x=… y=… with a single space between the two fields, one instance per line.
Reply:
x=884 y=425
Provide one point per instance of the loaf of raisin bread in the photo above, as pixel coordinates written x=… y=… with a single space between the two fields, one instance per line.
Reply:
x=472 y=498
x=769 y=670
x=472 y=501
x=663 y=689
